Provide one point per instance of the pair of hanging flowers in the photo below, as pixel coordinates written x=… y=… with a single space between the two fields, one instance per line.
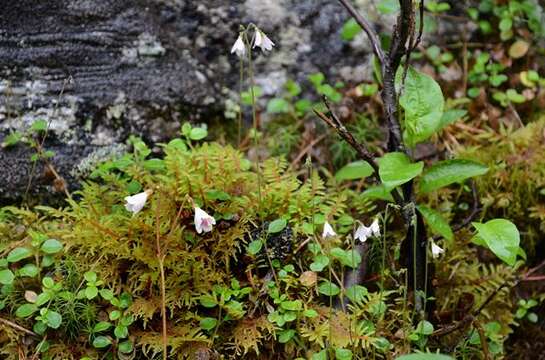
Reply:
x=364 y=232
x=260 y=40
x=361 y=234
x=203 y=221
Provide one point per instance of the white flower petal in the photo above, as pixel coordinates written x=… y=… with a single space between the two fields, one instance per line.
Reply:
x=362 y=233
x=135 y=203
x=203 y=221
x=328 y=231
x=238 y=47
x=263 y=41
x=436 y=250
x=375 y=228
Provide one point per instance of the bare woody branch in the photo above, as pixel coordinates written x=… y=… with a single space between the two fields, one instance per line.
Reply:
x=368 y=28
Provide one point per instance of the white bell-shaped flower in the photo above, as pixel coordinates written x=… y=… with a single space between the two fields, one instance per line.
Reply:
x=375 y=228
x=362 y=233
x=136 y=202
x=328 y=231
x=203 y=221
x=239 y=48
x=436 y=250
x=262 y=41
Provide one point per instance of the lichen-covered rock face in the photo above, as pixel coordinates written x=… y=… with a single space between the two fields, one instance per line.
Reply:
x=99 y=70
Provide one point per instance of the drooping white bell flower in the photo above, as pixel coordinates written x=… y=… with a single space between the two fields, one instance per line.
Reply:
x=328 y=231
x=262 y=41
x=203 y=221
x=136 y=202
x=436 y=250
x=362 y=233
x=239 y=48
x=375 y=228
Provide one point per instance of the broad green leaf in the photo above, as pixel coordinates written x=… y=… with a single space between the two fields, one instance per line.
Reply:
x=102 y=342
x=350 y=258
x=91 y=292
x=501 y=237
x=424 y=356
x=450 y=171
x=451 y=116
x=350 y=29
x=378 y=192
x=328 y=288
x=154 y=165
x=18 y=254
x=395 y=168
x=198 y=133
x=6 y=277
x=437 y=222
x=322 y=355
x=208 y=301
x=424 y=328
x=277 y=225
x=319 y=263
x=114 y=315
x=90 y=276
x=51 y=246
x=423 y=102
x=355 y=170
x=278 y=106
x=208 y=323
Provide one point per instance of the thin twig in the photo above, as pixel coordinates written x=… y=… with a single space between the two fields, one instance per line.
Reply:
x=368 y=28
x=18 y=327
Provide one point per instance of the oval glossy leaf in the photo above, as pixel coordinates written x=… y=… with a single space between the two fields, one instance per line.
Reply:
x=125 y=347
x=424 y=357
x=101 y=342
x=277 y=225
x=328 y=288
x=6 y=277
x=198 y=133
x=25 y=310
x=51 y=246
x=355 y=170
x=18 y=254
x=448 y=172
x=501 y=237
x=437 y=222
x=29 y=270
x=54 y=319
x=423 y=102
x=208 y=323
x=396 y=169
x=102 y=326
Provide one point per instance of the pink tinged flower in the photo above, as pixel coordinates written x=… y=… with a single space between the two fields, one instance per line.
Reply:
x=262 y=41
x=375 y=228
x=362 y=233
x=135 y=203
x=436 y=250
x=203 y=221
x=239 y=48
x=328 y=231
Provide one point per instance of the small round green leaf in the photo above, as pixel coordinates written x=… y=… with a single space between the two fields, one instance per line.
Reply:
x=395 y=169
x=328 y=288
x=198 y=133
x=25 y=310
x=101 y=342
x=51 y=246
x=125 y=347
x=208 y=323
x=102 y=326
x=277 y=225
x=29 y=270
x=6 y=277
x=501 y=237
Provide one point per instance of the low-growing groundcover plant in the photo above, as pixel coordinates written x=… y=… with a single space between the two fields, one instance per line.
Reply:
x=202 y=253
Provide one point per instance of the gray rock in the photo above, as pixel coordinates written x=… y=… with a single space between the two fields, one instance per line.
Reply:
x=100 y=70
